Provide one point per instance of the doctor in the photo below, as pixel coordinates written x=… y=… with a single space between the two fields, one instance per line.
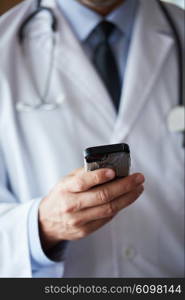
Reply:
x=54 y=219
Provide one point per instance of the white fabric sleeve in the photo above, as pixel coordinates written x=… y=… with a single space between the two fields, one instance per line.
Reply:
x=14 y=252
x=39 y=259
x=15 y=259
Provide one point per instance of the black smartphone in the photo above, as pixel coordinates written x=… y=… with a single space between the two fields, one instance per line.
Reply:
x=115 y=156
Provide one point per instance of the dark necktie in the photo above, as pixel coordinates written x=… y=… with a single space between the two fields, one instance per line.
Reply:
x=105 y=62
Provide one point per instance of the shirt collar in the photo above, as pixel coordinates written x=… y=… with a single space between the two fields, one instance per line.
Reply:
x=83 y=20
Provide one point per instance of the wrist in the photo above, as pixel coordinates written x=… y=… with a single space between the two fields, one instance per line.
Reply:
x=47 y=237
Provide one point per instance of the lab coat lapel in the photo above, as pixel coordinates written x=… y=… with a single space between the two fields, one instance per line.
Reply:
x=149 y=48
x=74 y=64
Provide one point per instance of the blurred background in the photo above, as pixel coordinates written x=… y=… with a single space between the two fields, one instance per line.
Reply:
x=7 y=4
x=180 y=3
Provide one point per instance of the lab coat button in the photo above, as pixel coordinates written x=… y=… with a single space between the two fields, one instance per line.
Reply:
x=130 y=253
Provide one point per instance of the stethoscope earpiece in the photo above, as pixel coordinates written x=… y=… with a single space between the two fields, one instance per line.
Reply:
x=21 y=106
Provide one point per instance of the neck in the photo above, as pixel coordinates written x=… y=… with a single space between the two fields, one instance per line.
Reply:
x=102 y=10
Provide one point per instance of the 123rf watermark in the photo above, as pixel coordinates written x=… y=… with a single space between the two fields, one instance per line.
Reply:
x=135 y=289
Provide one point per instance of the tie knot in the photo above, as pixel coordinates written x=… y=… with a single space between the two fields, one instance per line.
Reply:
x=104 y=30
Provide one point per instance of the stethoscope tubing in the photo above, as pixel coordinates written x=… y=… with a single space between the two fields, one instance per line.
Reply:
x=179 y=53
x=171 y=23
x=176 y=36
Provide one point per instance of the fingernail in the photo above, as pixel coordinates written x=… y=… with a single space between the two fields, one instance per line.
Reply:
x=110 y=174
x=140 y=178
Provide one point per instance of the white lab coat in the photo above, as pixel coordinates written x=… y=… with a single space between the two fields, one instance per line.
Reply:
x=37 y=148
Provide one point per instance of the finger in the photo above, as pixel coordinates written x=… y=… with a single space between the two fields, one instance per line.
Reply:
x=109 y=191
x=106 y=210
x=124 y=201
x=76 y=171
x=92 y=227
x=83 y=181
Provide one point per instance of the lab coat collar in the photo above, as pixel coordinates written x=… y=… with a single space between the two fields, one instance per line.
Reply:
x=151 y=43
x=72 y=61
x=152 y=39
x=69 y=60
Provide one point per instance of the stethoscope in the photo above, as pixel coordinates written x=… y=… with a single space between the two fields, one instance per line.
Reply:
x=175 y=117
x=42 y=104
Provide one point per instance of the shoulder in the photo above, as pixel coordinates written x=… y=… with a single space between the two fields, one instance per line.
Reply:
x=177 y=13
x=175 y=10
x=11 y=20
x=10 y=23
x=178 y=16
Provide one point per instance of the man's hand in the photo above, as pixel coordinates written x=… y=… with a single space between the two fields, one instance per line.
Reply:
x=82 y=202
